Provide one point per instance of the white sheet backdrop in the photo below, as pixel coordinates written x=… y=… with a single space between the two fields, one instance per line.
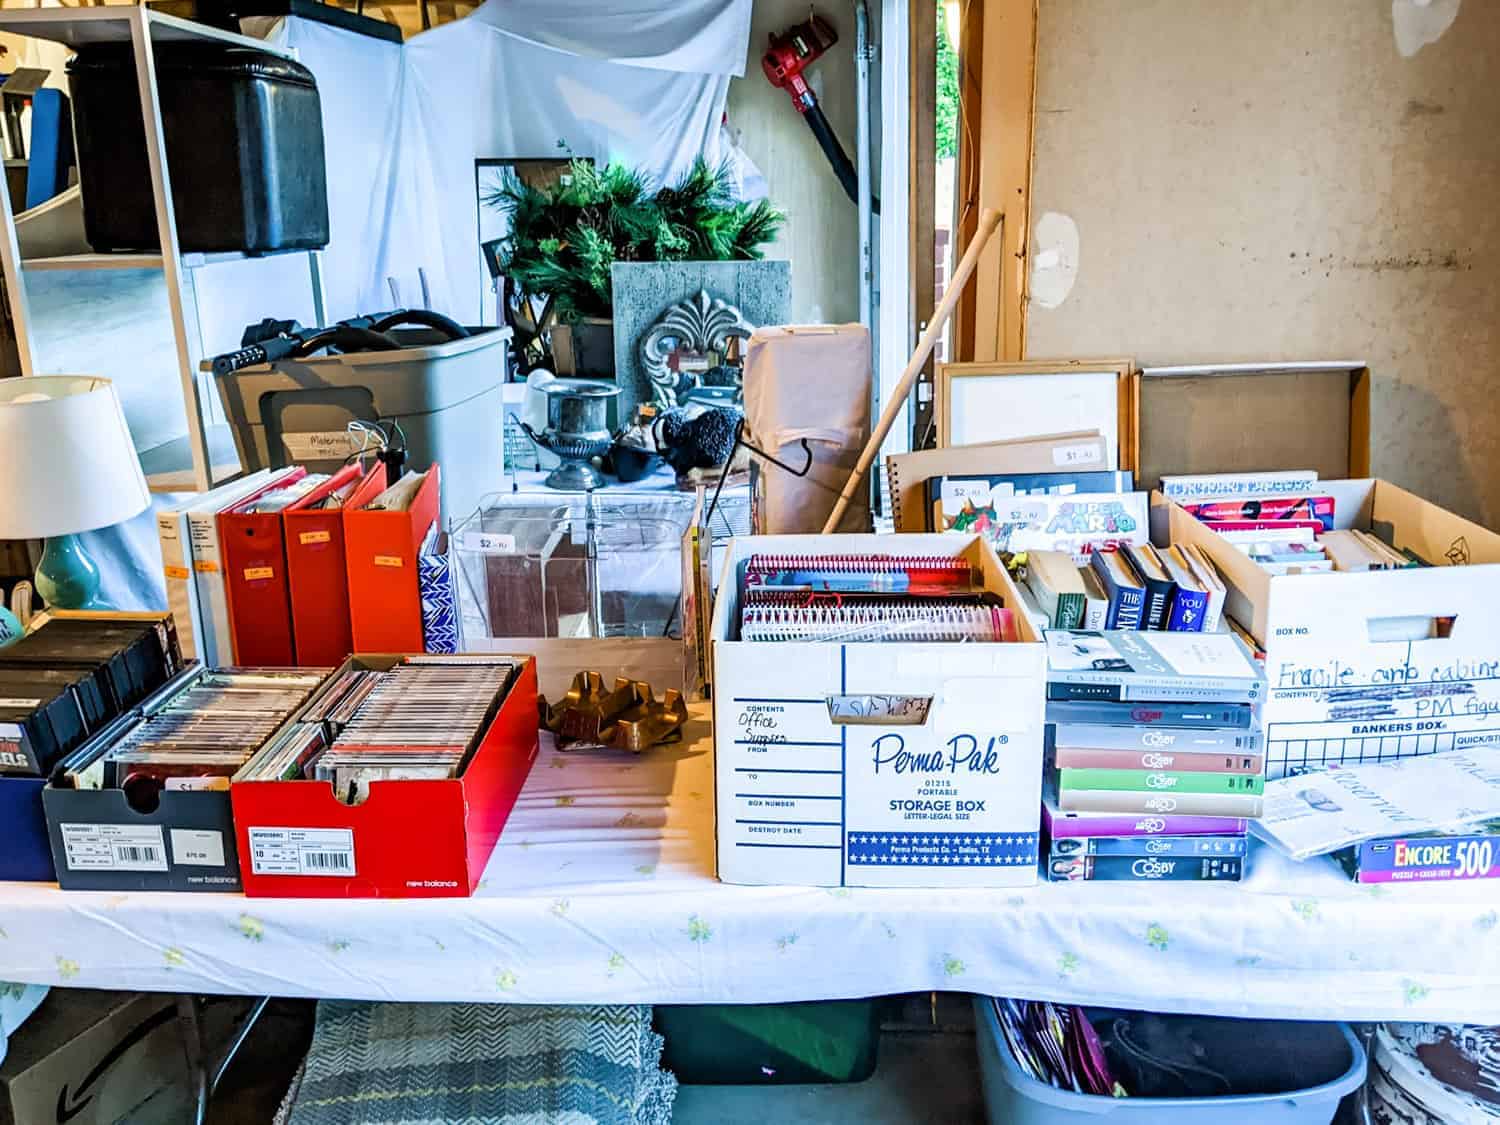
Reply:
x=644 y=83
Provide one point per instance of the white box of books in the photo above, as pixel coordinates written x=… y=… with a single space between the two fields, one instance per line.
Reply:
x=1376 y=664
x=876 y=764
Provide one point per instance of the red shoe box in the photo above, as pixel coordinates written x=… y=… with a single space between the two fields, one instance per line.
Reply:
x=409 y=838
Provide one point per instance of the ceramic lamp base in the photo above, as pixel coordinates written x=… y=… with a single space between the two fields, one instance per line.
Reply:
x=67 y=578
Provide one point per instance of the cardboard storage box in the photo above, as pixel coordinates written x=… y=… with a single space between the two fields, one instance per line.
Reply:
x=410 y=838
x=1362 y=666
x=945 y=791
x=1233 y=418
x=88 y=1057
x=101 y=842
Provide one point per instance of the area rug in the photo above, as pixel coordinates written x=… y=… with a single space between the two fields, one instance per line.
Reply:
x=481 y=1064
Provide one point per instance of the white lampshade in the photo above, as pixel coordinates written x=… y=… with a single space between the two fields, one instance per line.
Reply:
x=67 y=463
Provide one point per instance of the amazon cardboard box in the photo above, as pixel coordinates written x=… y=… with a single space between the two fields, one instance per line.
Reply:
x=88 y=1057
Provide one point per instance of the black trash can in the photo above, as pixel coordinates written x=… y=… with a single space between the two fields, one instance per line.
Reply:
x=244 y=137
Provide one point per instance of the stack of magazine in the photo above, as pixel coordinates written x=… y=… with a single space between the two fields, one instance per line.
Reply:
x=1154 y=751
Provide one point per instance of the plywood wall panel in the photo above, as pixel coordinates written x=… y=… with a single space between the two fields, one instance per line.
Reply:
x=1277 y=181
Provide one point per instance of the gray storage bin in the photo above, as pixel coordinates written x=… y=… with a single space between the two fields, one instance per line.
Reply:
x=446 y=397
x=1326 y=1059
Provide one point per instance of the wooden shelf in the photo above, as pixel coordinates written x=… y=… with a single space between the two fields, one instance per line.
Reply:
x=79 y=27
x=95 y=262
x=132 y=261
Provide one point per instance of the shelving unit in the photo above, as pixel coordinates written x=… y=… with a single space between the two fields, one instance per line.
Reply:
x=142 y=28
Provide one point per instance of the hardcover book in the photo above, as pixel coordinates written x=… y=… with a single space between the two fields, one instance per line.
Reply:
x=1188 y=612
x=1208 y=576
x=1127 y=596
x=1095 y=600
x=1160 y=589
x=1055 y=583
x=1125 y=666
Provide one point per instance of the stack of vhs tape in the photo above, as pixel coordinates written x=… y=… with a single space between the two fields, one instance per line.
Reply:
x=197 y=736
x=1154 y=755
x=64 y=682
x=416 y=720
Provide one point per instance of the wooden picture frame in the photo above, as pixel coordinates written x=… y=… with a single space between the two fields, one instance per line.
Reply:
x=953 y=385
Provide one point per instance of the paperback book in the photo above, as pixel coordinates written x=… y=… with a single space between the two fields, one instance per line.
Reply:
x=1130 y=666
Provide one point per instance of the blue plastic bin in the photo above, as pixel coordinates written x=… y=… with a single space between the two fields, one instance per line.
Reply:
x=1014 y=1098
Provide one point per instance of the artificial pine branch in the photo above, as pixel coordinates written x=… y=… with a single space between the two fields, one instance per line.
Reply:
x=565 y=237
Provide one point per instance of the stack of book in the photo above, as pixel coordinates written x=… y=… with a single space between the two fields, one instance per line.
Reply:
x=1135 y=586
x=1153 y=753
x=1279 y=519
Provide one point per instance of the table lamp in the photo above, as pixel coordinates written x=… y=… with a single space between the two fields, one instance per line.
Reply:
x=67 y=465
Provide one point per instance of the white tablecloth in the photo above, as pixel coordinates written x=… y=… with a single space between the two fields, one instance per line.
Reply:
x=602 y=890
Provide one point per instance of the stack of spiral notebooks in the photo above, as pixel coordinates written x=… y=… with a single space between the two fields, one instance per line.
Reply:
x=869 y=598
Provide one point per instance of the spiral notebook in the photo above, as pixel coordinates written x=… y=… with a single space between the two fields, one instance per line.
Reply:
x=865 y=598
x=915 y=575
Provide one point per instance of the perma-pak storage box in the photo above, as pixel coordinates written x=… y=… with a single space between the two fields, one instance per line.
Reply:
x=410 y=838
x=1378 y=664
x=876 y=764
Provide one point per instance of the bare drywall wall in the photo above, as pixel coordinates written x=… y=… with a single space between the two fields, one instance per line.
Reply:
x=821 y=236
x=1279 y=181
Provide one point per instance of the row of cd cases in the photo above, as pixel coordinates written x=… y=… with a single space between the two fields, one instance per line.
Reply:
x=414 y=720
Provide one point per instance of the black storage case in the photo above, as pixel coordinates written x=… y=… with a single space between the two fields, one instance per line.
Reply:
x=244 y=139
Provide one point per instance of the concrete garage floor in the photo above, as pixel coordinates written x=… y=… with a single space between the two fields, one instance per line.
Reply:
x=927 y=1072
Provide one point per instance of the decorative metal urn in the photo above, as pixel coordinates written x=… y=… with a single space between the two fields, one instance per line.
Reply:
x=577 y=431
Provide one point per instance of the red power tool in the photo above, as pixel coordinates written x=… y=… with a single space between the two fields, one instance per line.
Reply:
x=784 y=62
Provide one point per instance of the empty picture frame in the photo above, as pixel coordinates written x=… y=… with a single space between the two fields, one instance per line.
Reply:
x=984 y=402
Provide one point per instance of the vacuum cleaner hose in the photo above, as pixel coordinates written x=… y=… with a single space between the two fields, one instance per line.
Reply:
x=346 y=338
x=424 y=317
